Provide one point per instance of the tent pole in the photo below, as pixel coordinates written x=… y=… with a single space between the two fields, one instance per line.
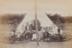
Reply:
x=36 y=25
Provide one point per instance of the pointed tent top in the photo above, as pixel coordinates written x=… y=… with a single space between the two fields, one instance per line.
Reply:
x=44 y=21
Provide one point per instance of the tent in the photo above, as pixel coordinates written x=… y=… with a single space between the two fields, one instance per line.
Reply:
x=44 y=20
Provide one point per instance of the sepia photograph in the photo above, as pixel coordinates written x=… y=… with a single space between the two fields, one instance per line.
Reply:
x=35 y=24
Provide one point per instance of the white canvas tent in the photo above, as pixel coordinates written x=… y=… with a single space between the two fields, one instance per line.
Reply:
x=44 y=20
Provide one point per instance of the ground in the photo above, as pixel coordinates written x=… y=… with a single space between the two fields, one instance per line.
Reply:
x=4 y=43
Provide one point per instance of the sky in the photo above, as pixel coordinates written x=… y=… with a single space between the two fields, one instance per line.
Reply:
x=62 y=7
